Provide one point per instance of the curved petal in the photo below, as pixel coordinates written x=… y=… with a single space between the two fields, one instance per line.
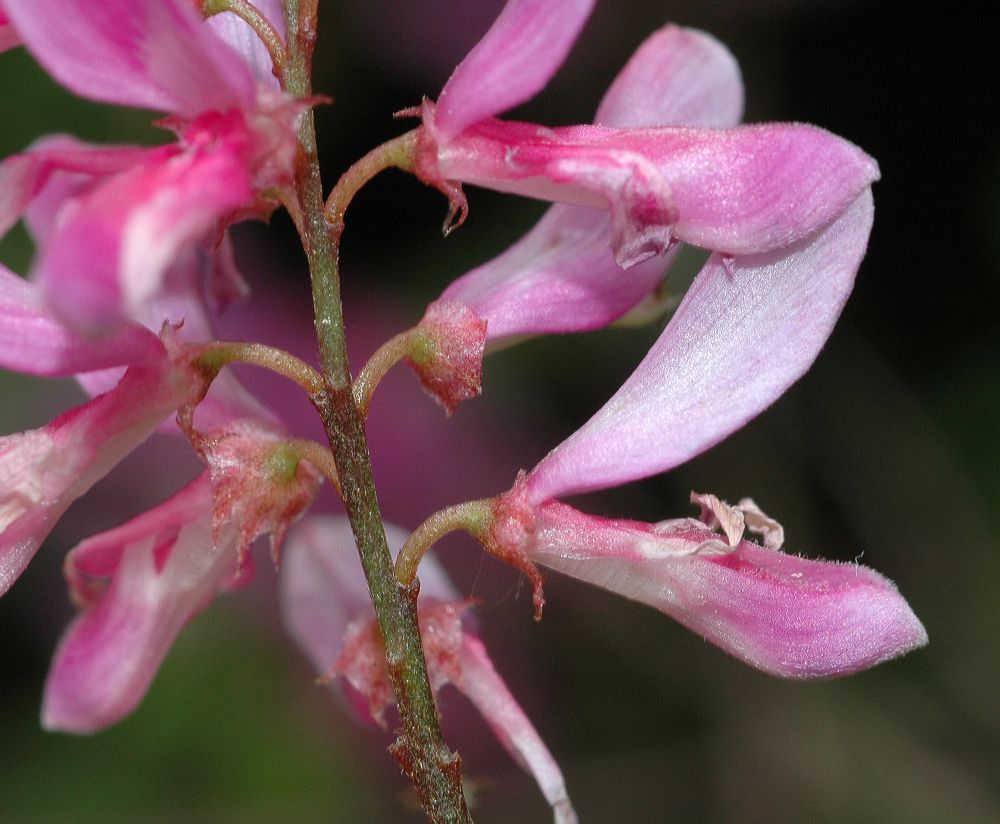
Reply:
x=484 y=687
x=745 y=331
x=747 y=190
x=152 y=54
x=116 y=241
x=677 y=77
x=513 y=62
x=43 y=471
x=783 y=614
x=562 y=276
x=163 y=570
x=238 y=34
x=24 y=177
x=34 y=342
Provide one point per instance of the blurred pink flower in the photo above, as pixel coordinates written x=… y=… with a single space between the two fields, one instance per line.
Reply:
x=130 y=212
x=327 y=610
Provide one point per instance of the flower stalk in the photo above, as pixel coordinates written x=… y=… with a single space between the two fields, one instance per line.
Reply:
x=432 y=768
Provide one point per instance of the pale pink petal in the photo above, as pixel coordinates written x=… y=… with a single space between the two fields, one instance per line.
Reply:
x=487 y=691
x=33 y=341
x=238 y=34
x=42 y=471
x=562 y=276
x=513 y=62
x=746 y=190
x=116 y=241
x=152 y=54
x=677 y=77
x=783 y=614
x=745 y=331
x=163 y=570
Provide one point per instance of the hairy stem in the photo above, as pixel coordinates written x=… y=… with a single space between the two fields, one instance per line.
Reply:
x=221 y=353
x=432 y=768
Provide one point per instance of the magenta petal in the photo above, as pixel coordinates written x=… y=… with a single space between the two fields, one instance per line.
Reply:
x=8 y=37
x=783 y=614
x=152 y=54
x=163 y=570
x=115 y=242
x=24 y=176
x=514 y=60
x=745 y=331
x=33 y=341
x=487 y=691
x=42 y=471
x=677 y=77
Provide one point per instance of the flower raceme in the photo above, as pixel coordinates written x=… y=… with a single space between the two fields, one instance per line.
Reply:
x=133 y=260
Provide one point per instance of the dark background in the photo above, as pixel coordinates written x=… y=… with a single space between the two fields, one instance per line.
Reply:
x=887 y=451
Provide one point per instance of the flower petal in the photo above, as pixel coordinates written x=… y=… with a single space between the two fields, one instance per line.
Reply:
x=33 y=341
x=513 y=62
x=782 y=614
x=116 y=241
x=677 y=77
x=487 y=691
x=238 y=34
x=164 y=570
x=745 y=331
x=152 y=54
x=747 y=190
x=562 y=276
x=24 y=177
x=42 y=471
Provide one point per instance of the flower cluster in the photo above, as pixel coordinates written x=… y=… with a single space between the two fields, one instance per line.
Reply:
x=133 y=262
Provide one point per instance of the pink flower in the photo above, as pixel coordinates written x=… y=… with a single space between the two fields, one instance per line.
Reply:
x=130 y=212
x=327 y=610
x=141 y=583
x=562 y=276
x=743 y=333
x=747 y=190
x=43 y=471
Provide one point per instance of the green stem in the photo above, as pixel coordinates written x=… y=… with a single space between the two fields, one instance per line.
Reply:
x=475 y=517
x=388 y=355
x=432 y=768
x=221 y=353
